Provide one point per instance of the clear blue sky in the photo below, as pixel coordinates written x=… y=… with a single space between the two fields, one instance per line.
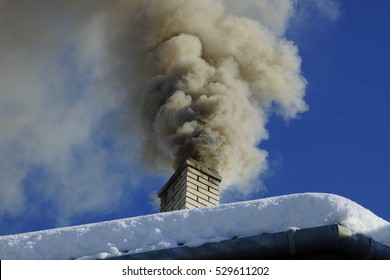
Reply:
x=340 y=146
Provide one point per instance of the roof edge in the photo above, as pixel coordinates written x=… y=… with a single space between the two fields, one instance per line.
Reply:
x=335 y=238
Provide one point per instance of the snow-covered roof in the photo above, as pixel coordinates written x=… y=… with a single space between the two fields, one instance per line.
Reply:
x=195 y=227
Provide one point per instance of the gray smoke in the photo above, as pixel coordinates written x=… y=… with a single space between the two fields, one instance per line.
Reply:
x=208 y=83
x=184 y=78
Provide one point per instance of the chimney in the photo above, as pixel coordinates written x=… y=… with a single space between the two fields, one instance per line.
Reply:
x=193 y=185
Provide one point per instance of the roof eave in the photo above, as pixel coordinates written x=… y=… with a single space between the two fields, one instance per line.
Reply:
x=330 y=241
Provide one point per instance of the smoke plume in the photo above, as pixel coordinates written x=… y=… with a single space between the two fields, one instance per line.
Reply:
x=91 y=88
x=209 y=81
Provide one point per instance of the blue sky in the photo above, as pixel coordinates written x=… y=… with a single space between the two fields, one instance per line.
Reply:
x=342 y=144
x=65 y=163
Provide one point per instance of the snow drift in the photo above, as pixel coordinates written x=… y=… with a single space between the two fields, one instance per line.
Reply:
x=195 y=227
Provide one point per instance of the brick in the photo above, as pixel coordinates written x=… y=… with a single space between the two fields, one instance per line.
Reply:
x=214 y=187
x=168 y=197
x=204 y=202
x=177 y=204
x=198 y=173
x=191 y=195
x=183 y=173
x=198 y=184
x=206 y=175
x=206 y=182
x=198 y=194
x=214 y=181
x=191 y=162
x=172 y=192
x=214 y=191
x=191 y=185
x=180 y=182
x=195 y=203
x=190 y=206
x=183 y=185
x=209 y=194
x=209 y=171
x=182 y=204
x=183 y=192
x=192 y=174
x=214 y=201
x=177 y=197
x=179 y=189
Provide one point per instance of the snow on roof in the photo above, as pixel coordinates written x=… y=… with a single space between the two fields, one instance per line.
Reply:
x=195 y=227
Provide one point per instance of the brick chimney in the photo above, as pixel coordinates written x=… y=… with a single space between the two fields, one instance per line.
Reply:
x=193 y=185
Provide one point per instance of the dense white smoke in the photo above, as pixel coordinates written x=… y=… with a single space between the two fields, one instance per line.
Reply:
x=90 y=88
x=209 y=81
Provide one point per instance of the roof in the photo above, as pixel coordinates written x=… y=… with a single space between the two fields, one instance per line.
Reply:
x=325 y=242
x=225 y=227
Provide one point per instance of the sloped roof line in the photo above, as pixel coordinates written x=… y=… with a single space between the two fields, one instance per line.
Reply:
x=326 y=242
